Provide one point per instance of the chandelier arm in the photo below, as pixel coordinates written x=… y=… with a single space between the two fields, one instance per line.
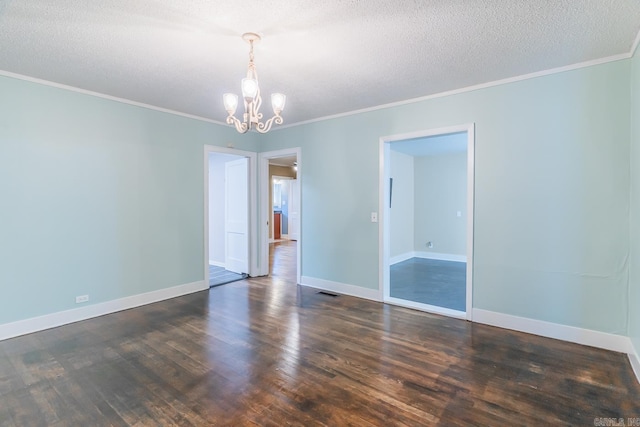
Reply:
x=266 y=126
x=256 y=106
x=240 y=127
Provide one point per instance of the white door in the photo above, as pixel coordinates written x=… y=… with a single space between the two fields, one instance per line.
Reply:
x=294 y=210
x=236 y=205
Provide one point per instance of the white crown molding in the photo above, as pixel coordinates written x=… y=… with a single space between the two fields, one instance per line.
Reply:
x=557 y=331
x=341 y=288
x=576 y=66
x=537 y=74
x=109 y=97
x=35 y=324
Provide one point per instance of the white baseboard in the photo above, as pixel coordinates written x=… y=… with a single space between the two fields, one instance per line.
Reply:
x=402 y=257
x=441 y=257
x=588 y=337
x=216 y=263
x=427 y=255
x=35 y=324
x=341 y=288
x=634 y=359
x=426 y=308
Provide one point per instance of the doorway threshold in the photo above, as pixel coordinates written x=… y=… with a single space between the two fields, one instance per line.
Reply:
x=434 y=309
x=219 y=276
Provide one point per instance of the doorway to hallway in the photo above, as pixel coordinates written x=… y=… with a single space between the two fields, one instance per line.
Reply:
x=228 y=219
x=280 y=209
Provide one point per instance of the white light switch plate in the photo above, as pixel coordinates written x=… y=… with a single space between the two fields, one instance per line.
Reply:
x=374 y=216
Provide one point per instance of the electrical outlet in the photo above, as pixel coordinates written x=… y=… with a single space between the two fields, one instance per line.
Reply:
x=430 y=245
x=82 y=298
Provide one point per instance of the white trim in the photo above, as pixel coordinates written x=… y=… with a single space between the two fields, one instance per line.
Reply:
x=216 y=263
x=427 y=255
x=35 y=324
x=109 y=97
x=384 y=225
x=634 y=47
x=441 y=257
x=557 y=331
x=383 y=207
x=428 y=132
x=253 y=197
x=508 y=80
x=265 y=214
x=471 y=208
x=402 y=257
x=341 y=288
x=634 y=359
x=434 y=309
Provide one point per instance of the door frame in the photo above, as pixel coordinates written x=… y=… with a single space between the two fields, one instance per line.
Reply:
x=384 y=224
x=253 y=242
x=264 y=215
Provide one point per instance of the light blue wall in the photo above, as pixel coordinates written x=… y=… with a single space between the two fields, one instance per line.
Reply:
x=105 y=199
x=634 y=264
x=551 y=201
x=97 y=197
x=401 y=222
x=440 y=192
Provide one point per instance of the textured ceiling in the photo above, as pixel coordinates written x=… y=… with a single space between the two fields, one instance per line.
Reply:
x=328 y=57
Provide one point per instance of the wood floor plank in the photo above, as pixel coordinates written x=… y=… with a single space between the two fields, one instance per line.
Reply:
x=266 y=352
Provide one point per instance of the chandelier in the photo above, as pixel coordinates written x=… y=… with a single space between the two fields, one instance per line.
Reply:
x=252 y=100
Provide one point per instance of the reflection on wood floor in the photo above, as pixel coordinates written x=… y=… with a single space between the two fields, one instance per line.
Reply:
x=251 y=353
x=282 y=260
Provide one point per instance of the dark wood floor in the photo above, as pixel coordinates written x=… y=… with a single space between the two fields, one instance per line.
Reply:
x=257 y=352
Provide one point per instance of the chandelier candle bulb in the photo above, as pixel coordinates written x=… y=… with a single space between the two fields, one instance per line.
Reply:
x=249 y=89
x=230 y=102
x=252 y=100
x=277 y=102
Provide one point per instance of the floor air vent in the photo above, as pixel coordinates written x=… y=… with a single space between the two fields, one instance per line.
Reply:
x=327 y=293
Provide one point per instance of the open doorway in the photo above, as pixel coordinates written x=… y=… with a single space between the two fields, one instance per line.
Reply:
x=427 y=227
x=228 y=219
x=281 y=212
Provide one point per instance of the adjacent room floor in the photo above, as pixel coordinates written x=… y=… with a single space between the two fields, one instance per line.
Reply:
x=219 y=276
x=430 y=281
x=266 y=352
